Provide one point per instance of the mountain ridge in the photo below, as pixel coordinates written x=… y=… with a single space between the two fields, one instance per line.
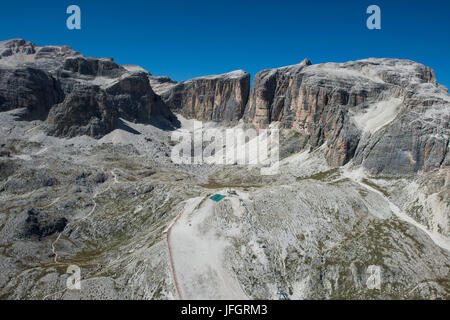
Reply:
x=320 y=101
x=87 y=180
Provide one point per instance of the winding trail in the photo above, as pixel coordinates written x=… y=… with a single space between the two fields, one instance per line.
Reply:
x=53 y=249
x=51 y=203
x=172 y=267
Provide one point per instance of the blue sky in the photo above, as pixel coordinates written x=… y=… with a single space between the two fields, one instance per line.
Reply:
x=184 y=39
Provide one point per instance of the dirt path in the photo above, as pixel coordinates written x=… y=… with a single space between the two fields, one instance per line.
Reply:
x=53 y=249
x=172 y=267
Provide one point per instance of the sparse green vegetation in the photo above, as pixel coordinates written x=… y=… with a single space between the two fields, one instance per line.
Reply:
x=321 y=176
x=375 y=186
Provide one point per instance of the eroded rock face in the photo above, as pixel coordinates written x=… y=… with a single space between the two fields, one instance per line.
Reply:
x=103 y=67
x=16 y=46
x=38 y=224
x=84 y=111
x=388 y=115
x=161 y=84
x=417 y=139
x=32 y=89
x=19 y=52
x=75 y=94
x=362 y=109
x=211 y=98
x=95 y=110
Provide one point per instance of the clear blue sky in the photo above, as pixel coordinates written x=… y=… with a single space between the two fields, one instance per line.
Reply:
x=188 y=38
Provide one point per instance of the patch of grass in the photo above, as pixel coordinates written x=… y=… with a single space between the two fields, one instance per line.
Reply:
x=392 y=178
x=416 y=211
x=363 y=192
x=296 y=134
x=375 y=186
x=213 y=184
x=340 y=181
x=321 y=176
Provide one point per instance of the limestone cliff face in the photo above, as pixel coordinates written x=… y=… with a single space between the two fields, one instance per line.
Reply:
x=74 y=94
x=417 y=139
x=95 y=67
x=19 y=52
x=34 y=90
x=94 y=108
x=369 y=110
x=211 y=98
x=388 y=115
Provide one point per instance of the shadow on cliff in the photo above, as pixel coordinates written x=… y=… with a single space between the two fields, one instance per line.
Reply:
x=123 y=126
x=159 y=121
x=163 y=118
x=165 y=124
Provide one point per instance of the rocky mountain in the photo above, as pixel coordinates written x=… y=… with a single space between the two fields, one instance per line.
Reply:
x=33 y=90
x=76 y=95
x=362 y=110
x=219 y=98
x=87 y=181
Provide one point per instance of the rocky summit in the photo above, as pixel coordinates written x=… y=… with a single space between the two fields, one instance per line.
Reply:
x=74 y=94
x=358 y=209
x=220 y=98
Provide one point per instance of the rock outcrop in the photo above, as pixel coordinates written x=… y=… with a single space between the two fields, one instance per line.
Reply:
x=376 y=111
x=310 y=231
x=74 y=94
x=40 y=225
x=220 y=98
x=12 y=47
x=19 y=52
x=34 y=90
x=388 y=115
x=161 y=84
x=417 y=139
x=95 y=110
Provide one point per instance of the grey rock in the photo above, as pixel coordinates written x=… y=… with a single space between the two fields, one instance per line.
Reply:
x=16 y=46
x=38 y=224
x=74 y=94
x=94 y=67
x=416 y=140
x=309 y=232
x=32 y=89
x=220 y=98
x=321 y=101
x=22 y=53
x=95 y=110
x=161 y=84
